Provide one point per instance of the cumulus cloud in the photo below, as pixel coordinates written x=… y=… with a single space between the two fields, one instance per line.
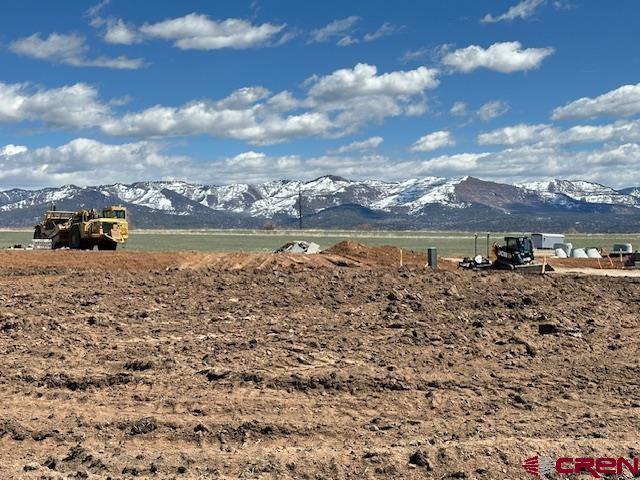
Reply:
x=9 y=150
x=333 y=105
x=505 y=57
x=493 y=109
x=69 y=49
x=364 y=145
x=543 y=134
x=335 y=29
x=74 y=105
x=83 y=160
x=523 y=10
x=198 y=32
x=363 y=80
x=433 y=141
x=119 y=32
x=621 y=102
x=458 y=109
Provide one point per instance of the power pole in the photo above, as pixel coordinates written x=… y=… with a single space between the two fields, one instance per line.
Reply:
x=300 y=206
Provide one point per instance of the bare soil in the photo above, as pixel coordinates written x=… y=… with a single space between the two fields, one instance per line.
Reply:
x=342 y=365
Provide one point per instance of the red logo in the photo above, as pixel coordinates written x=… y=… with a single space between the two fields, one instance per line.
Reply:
x=532 y=466
x=596 y=467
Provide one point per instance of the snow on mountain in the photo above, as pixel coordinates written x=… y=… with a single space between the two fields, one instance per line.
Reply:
x=633 y=191
x=41 y=197
x=583 y=191
x=281 y=197
x=414 y=194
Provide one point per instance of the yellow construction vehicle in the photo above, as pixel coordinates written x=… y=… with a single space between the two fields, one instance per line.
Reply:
x=85 y=229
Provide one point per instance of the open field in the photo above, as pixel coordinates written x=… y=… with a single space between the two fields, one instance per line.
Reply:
x=339 y=365
x=448 y=243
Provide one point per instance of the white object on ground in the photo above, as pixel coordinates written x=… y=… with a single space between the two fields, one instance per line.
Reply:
x=593 y=253
x=299 y=246
x=578 y=253
x=567 y=247
x=560 y=253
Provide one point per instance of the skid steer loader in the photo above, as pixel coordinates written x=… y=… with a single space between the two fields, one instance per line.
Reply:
x=516 y=254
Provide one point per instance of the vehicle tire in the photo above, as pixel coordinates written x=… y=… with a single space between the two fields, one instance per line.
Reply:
x=87 y=245
x=107 y=246
x=75 y=241
x=37 y=233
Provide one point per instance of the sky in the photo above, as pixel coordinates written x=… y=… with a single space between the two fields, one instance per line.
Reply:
x=252 y=91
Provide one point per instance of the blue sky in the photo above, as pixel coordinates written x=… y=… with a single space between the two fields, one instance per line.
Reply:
x=220 y=92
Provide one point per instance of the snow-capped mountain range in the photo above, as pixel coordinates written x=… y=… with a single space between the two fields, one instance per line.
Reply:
x=414 y=201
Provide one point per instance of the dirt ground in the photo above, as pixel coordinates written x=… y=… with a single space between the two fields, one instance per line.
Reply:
x=341 y=365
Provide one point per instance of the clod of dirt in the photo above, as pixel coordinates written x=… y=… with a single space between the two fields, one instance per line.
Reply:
x=200 y=428
x=144 y=425
x=213 y=375
x=547 y=328
x=452 y=291
x=420 y=459
x=138 y=365
x=50 y=463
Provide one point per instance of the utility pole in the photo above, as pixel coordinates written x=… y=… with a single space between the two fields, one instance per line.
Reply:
x=300 y=206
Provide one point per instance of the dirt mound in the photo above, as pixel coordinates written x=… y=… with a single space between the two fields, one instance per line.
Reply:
x=386 y=255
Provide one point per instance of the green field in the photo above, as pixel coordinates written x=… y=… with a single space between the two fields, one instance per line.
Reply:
x=448 y=243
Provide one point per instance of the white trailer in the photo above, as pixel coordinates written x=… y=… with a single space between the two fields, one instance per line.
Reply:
x=546 y=240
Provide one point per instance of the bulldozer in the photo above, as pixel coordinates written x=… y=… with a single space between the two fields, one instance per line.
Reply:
x=84 y=229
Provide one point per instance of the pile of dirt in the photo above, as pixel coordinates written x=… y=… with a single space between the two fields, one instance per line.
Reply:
x=384 y=256
x=344 y=254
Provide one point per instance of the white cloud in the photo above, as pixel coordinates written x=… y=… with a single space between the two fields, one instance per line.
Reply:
x=363 y=80
x=384 y=30
x=433 y=141
x=516 y=135
x=458 y=109
x=9 y=150
x=198 y=32
x=82 y=161
x=96 y=9
x=70 y=106
x=68 y=49
x=415 y=55
x=493 y=109
x=621 y=102
x=369 y=144
x=505 y=57
x=337 y=28
x=547 y=135
x=346 y=41
x=121 y=33
x=522 y=10
x=334 y=105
